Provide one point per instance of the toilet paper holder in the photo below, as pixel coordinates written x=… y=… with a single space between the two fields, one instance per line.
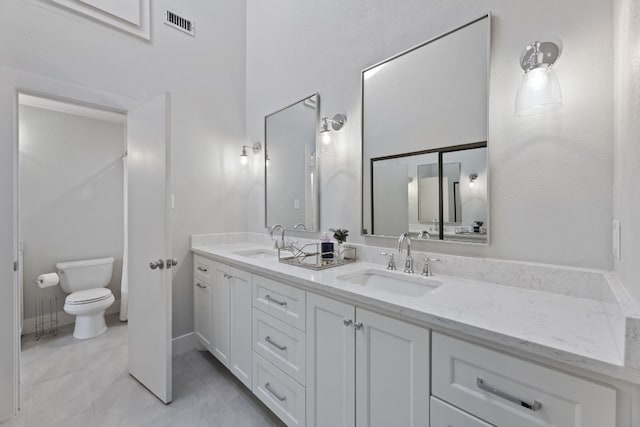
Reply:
x=45 y=327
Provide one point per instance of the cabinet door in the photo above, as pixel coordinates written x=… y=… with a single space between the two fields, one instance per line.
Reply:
x=241 y=327
x=330 y=363
x=222 y=314
x=203 y=316
x=392 y=372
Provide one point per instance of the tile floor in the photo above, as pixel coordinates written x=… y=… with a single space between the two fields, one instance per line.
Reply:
x=69 y=382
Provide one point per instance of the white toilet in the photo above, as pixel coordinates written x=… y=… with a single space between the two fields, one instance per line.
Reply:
x=86 y=281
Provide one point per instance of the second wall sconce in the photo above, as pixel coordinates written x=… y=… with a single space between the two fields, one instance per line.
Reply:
x=336 y=123
x=244 y=157
x=539 y=90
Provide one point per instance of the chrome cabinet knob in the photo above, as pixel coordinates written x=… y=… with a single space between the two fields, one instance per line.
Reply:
x=358 y=325
x=171 y=262
x=156 y=264
x=347 y=322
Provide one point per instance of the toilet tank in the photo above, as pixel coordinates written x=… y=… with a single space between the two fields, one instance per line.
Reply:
x=87 y=274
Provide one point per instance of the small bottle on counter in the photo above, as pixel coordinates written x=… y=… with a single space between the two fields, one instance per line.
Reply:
x=326 y=247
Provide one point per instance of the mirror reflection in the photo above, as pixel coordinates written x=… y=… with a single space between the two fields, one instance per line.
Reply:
x=406 y=194
x=291 y=167
x=424 y=139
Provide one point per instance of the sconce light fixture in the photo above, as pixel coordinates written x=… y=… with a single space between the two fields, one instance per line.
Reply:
x=336 y=123
x=244 y=157
x=472 y=179
x=539 y=90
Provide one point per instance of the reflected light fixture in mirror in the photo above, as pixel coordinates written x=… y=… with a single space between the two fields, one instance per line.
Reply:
x=244 y=157
x=539 y=90
x=336 y=123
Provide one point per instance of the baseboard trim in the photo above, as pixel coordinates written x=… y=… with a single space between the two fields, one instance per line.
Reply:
x=183 y=344
x=29 y=325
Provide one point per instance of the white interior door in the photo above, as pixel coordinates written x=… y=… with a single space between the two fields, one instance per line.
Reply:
x=149 y=160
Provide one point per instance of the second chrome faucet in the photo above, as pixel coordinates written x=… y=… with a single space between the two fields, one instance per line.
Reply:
x=408 y=264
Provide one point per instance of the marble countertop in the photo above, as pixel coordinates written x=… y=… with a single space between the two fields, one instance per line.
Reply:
x=575 y=331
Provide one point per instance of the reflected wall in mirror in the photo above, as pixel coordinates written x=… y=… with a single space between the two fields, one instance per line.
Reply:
x=425 y=119
x=291 y=165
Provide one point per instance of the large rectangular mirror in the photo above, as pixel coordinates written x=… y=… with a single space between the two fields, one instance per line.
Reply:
x=424 y=139
x=291 y=165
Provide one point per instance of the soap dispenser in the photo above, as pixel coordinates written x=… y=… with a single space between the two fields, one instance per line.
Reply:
x=326 y=247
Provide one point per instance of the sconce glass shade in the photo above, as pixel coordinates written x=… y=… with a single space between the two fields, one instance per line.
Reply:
x=539 y=92
x=325 y=137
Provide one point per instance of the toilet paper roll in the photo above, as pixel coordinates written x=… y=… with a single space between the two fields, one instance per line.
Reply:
x=48 y=279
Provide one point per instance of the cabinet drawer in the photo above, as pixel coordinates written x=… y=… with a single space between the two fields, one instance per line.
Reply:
x=445 y=415
x=203 y=269
x=281 y=344
x=281 y=394
x=508 y=391
x=283 y=302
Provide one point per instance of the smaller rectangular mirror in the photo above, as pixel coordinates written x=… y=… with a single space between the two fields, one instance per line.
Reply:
x=291 y=165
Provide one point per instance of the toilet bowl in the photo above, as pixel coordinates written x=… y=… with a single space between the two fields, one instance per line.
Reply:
x=86 y=283
x=89 y=306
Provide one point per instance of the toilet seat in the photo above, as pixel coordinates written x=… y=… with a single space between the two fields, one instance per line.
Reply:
x=88 y=296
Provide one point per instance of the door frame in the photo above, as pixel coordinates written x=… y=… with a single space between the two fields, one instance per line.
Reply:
x=37 y=85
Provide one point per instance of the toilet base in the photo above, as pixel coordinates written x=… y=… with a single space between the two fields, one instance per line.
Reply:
x=89 y=326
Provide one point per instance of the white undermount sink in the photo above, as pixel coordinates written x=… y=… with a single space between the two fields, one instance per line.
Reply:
x=265 y=254
x=392 y=282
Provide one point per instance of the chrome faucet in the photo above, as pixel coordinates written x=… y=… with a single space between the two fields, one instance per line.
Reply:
x=278 y=244
x=408 y=264
x=300 y=226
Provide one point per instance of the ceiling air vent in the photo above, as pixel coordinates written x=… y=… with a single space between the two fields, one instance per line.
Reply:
x=178 y=22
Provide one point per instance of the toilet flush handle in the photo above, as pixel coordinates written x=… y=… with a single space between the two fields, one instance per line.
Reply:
x=157 y=264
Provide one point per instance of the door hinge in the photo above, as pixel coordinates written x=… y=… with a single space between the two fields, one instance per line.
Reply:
x=15 y=266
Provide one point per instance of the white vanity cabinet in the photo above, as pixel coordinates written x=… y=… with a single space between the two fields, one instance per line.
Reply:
x=222 y=315
x=507 y=391
x=203 y=301
x=279 y=349
x=364 y=369
x=203 y=312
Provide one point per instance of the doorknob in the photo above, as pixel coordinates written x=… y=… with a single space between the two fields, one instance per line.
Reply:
x=171 y=262
x=156 y=264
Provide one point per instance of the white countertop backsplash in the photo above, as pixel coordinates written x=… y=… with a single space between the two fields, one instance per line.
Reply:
x=577 y=316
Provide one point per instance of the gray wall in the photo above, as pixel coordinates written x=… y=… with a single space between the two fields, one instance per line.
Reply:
x=206 y=77
x=71 y=195
x=627 y=147
x=546 y=171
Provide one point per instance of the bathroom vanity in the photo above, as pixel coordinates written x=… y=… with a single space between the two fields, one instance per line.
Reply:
x=358 y=345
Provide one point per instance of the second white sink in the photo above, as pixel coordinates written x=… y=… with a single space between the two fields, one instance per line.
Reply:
x=390 y=282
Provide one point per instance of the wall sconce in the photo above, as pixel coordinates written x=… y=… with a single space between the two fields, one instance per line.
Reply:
x=337 y=122
x=539 y=90
x=472 y=179
x=256 y=148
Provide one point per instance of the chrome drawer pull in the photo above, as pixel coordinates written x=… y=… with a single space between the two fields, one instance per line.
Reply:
x=204 y=270
x=270 y=390
x=273 y=300
x=201 y=286
x=535 y=406
x=275 y=344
